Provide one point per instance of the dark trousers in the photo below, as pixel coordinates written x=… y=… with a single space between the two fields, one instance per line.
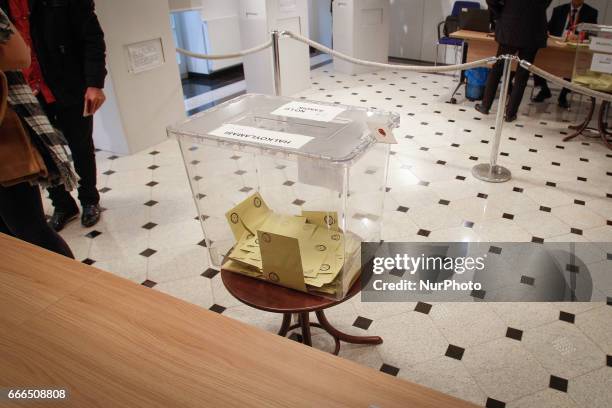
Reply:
x=538 y=81
x=78 y=131
x=22 y=216
x=520 y=78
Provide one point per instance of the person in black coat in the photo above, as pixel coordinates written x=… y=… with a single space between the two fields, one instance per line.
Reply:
x=520 y=28
x=68 y=44
x=564 y=18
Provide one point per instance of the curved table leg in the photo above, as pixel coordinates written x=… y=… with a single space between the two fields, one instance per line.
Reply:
x=343 y=336
x=603 y=132
x=584 y=125
x=304 y=323
x=285 y=325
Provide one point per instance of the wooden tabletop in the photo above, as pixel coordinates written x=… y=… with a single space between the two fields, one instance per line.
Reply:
x=113 y=343
x=480 y=36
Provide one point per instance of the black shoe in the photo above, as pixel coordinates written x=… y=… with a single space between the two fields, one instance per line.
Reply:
x=61 y=218
x=542 y=95
x=563 y=103
x=91 y=215
x=510 y=118
x=481 y=109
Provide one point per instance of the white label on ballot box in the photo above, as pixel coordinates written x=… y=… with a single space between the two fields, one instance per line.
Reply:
x=602 y=63
x=262 y=136
x=310 y=111
x=600 y=44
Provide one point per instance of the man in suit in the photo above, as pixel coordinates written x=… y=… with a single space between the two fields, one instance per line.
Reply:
x=520 y=28
x=67 y=75
x=564 y=20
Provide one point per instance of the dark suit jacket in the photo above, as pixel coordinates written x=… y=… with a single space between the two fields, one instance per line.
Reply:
x=558 y=21
x=520 y=23
x=69 y=43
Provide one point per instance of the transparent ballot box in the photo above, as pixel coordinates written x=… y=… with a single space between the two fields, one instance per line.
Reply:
x=287 y=189
x=593 y=62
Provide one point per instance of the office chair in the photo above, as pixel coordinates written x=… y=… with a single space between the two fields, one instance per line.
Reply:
x=450 y=25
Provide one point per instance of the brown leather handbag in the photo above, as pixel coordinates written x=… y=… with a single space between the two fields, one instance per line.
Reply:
x=20 y=160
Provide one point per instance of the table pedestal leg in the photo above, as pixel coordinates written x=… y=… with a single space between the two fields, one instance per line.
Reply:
x=605 y=135
x=348 y=338
x=285 y=325
x=305 y=325
x=584 y=125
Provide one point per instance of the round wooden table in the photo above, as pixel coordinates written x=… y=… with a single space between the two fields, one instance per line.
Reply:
x=266 y=296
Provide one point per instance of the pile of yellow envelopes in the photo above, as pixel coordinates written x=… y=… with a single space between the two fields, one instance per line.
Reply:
x=306 y=252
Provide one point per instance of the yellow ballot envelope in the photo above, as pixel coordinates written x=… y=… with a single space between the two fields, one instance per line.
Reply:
x=306 y=253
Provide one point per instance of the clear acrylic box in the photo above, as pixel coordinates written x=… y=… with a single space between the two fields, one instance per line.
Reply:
x=593 y=62
x=287 y=189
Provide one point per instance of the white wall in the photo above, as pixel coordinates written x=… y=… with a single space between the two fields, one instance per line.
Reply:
x=139 y=106
x=320 y=21
x=413 y=27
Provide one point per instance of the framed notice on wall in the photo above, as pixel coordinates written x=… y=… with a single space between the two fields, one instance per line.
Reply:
x=145 y=55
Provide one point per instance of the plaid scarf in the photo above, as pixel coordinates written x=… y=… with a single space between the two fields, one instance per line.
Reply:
x=25 y=104
x=27 y=107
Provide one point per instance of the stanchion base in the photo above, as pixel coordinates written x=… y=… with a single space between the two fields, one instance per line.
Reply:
x=495 y=174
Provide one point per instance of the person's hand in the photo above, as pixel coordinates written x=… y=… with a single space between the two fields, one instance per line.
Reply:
x=94 y=98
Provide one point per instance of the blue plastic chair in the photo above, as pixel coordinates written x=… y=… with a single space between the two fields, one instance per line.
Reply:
x=458 y=7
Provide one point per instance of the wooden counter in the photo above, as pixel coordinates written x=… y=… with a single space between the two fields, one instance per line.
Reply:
x=114 y=343
x=557 y=58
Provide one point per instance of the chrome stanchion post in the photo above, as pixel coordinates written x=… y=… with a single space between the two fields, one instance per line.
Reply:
x=276 y=63
x=492 y=172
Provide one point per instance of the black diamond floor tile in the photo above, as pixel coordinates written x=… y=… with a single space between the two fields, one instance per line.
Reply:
x=567 y=317
x=210 y=273
x=389 y=369
x=495 y=250
x=148 y=252
x=150 y=203
x=149 y=225
x=88 y=261
x=148 y=283
x=527 y=280
x=217 y=308
x=558 y=383
x=455 y=352
x=362 y=322
x=423 y=232
x=514 y=334
x=92 y=234
x=493 y=403
x=422 y=307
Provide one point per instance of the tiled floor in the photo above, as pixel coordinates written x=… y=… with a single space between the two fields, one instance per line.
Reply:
x=494 y=354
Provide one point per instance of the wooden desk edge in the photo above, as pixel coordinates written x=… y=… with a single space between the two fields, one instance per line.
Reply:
x=419 y=395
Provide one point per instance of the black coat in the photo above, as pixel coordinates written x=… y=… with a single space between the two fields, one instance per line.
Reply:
x=558 y=20
x=69 y=44
x=520 y=23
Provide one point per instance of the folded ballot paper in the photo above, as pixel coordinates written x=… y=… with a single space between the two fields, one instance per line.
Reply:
x=306 y=252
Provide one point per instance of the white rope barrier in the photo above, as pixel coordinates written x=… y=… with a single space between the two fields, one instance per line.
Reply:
x=416 y=68
x=566 y=84
x=225 y=56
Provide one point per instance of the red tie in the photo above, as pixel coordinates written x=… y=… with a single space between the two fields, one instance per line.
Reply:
x=572 y=19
